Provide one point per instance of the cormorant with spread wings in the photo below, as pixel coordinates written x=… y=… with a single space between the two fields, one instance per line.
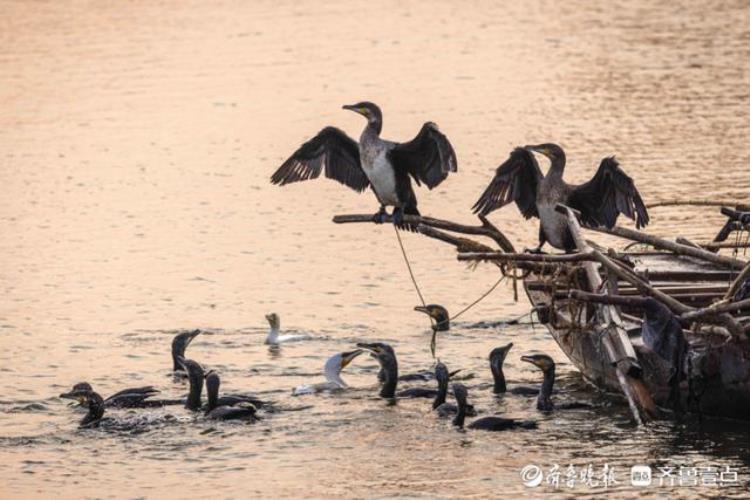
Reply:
x=386 y=166
x=600 y=201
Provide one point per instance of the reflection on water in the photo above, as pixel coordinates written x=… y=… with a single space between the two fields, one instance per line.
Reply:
x=137 y=141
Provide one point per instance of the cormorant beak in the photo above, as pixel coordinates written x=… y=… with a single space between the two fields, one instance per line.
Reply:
x=423 y=309
x=534 y=361
x=373 y=348
x=359 y=110
x=348 y=357
x=538 y=149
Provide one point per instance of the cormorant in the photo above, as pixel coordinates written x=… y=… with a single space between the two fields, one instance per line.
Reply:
x=135 y=397
x=273 y=337
x=439 y=314
x=493 y=423
x=544 y=401
x=179 y=344
x=196 y=376
x=497 y=358
x=383 y=165
x=90 y=399
x=446 y=409
x=600 y=201
x=386 y=357
x=226 y=408
x=332 y=372
x=662 y=333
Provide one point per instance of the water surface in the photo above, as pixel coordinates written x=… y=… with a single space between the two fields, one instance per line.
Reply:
x=136 y=143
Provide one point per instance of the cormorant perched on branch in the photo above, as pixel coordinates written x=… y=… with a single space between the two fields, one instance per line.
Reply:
x=601 y=200
x=383 y=165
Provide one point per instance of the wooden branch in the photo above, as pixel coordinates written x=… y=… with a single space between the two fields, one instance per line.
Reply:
x=525 y=257
x=737 y=283
x=723 y=307
x=614 y=300
x=699 y=203
x=671 y=246
x=486 y=229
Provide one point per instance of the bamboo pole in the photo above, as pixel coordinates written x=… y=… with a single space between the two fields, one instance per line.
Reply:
x=615 y=340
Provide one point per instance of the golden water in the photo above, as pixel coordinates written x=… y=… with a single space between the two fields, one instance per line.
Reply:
x=136 y=143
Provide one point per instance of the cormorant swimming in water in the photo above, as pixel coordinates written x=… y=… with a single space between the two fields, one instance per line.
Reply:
x=386 y=357
x=332 y=372
x=544 y=401
x=226 y=408
x=497 y=358
x=383 y=165
x=439 y=314
x=600 y=201
x=196 y=376
x=446 y=409
x=273 y=337
x=135 y=397
x=90 y=399
x=493 y=423
x=179 y=344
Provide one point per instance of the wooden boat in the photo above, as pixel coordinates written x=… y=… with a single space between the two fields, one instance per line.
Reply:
x=592 y=302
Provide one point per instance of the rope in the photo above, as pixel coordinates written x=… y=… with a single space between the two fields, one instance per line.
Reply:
x=433 y=342
x=408 y=266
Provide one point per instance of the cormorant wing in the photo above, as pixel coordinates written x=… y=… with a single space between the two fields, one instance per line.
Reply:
x=515 y=180
x=428 y=158
x=331 y=150
x=608 y=194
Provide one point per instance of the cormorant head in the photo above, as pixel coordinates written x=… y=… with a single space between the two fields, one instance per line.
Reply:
x=379 y=350
x=369 y=110
x=437 y=313
x=180 y=342
x=338 y=362
x=79 y=393
x=541 y=361
x=552 y=151
x=273 y=320
x=497 y=358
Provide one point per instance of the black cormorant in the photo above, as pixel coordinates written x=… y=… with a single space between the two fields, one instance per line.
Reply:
x=91 y=400
x=135 y=397
x=493 y=423
x=600 y=201
x=497 y=358
x=332 y=372
x=388 y=374
x=439 y=315
x=230 y=409
x=212 y=392
x=544 y=401
x=383 y=165
x=196 y=377
x=446 y=409
x=179 y=344
x=662 y=333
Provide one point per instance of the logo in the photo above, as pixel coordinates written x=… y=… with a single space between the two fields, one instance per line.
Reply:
x=532 y=476
x=640 y=475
